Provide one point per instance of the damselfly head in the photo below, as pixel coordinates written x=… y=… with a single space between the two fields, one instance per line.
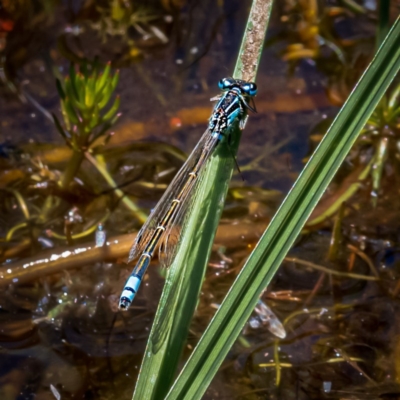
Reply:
x=246 y=88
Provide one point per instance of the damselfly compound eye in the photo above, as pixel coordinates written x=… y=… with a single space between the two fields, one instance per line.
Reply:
x=226 y=83
x=250 y=89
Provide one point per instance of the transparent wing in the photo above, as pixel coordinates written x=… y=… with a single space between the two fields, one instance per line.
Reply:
x=164 y=203
x=172 y=235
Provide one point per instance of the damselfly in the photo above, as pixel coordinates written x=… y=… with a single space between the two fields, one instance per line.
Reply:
x=231 y=107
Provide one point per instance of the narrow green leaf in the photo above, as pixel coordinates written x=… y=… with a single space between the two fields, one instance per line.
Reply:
x=68 y=88
x=103 y=78
x=109 y=115
x=94 y=117
x=80 y=87
x=104 y=98
x=92 y=83
x=77 y=104
x=60 y=129
x=394 y=98
x=72 y=95
x=89 y=92
x=377 y=168
x=73 y=77
x=114 y=81
x=287 y=223
x=60 y=89
x=64 y=113
x=70 y=111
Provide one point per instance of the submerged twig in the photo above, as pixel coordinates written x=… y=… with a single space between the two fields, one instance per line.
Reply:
x=328 y=361
x=53 y=261
x=331 y=271
x=364 y=257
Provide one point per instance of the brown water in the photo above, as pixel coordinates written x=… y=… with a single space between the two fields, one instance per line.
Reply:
x=59 y=333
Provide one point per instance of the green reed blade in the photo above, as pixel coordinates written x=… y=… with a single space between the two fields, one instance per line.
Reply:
x=287 y=223
x=184 y=280
x=180 y=295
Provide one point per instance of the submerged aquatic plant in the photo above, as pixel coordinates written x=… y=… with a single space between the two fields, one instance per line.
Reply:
x=312 y=27
x=120 y=18
x=85 y=104
x=377 y=149
x=315 y=35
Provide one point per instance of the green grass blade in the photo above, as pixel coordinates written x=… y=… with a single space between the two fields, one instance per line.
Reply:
x=185 y=275
x=287 y=223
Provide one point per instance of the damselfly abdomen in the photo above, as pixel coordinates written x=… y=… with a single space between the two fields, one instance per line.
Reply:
x=231 y=107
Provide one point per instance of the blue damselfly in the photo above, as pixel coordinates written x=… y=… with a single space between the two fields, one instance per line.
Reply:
x=231 y=107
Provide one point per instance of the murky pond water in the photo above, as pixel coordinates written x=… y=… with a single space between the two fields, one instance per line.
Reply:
x=337 y=293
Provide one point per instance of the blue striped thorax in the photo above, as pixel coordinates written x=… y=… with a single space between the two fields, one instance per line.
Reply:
x=232 y=104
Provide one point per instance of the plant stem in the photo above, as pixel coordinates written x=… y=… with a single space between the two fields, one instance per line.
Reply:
x=72 y=169
x=253 y=40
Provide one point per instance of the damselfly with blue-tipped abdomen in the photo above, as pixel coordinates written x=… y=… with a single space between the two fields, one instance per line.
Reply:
x=171 y=210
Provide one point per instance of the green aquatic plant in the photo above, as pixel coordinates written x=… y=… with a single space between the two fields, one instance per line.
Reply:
x=87 y=111
x=382 y=135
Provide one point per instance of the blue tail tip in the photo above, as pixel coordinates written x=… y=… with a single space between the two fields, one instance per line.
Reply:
x=124 y=303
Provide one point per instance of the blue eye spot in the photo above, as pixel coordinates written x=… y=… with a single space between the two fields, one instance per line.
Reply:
x=250 y=89
x=226 y=83
x=253 y=90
